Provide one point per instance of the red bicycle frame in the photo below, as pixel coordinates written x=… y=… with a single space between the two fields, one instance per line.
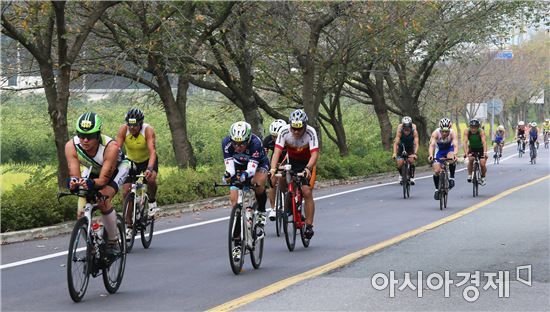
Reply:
x=296 y=195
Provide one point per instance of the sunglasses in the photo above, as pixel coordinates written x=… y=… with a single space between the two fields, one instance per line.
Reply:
x=88 y=136
x=445 y=130
x=238 y=144
x=295 y=129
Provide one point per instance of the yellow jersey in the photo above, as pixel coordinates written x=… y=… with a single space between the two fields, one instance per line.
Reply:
x=136 y=147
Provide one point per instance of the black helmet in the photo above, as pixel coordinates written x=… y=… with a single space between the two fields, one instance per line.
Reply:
x=475 y=123
x=134 y=116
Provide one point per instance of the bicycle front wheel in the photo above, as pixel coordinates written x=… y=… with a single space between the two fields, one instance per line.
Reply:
x=289 y=226
x=278 y=211
x=112 y=275
x=441 y=190
x=147 y=224
x=129 y=209
x=404 y=179
x=236 y=240
x=79 y=260
x=475 y=179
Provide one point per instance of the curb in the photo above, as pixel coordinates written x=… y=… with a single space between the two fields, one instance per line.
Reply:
x=175 y=209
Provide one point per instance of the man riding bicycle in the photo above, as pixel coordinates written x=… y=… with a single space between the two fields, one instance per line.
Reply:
x=138 y=139
x=520 y=135
x=443 y=144
x=533 y=135
x=475 y=145
x=406 y=136
x=245 y=159
x=498 y=140
x=269 y=145
x=302 y=145
x=109 y=169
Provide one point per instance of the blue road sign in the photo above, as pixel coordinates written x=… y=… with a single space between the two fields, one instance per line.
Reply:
x=494 y=105
x=504 y=55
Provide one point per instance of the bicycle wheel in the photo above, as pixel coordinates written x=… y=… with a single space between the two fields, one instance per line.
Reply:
x=405 y=178
x=79 y=260
x=235 y=226
x=129 y=203
x=257 y=251
x=112 y=275
x=278 y=211
x=289 y=226
x=147 y=224
x=441 y=189
x=475 y=179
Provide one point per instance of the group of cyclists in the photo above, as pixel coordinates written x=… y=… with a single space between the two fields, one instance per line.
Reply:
x=444 y=146
x=246 y=158
x=108 y=168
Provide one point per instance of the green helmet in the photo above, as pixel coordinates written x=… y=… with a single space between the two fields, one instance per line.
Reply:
x=88 y=123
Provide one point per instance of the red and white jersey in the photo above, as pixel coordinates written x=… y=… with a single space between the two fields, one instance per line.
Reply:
x=301 y=148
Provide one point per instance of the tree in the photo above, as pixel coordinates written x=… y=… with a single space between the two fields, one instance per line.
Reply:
x=54 y=34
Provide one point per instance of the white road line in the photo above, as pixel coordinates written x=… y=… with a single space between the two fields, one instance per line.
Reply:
x=63 y=253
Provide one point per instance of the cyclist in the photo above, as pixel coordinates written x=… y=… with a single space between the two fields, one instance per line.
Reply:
x=475 y=145
x=443 y=144
x=245 y=158
x=533 y=135
x=498 y=140
x=546 y=129
x=269 y=145
x=406 y=136
x=302 y=145
x=138 y=139
x=520 y=135
x=109 y=169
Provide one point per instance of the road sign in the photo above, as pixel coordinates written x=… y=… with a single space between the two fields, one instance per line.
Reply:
x=494 y=106
x=477 y=110
x=504 y=55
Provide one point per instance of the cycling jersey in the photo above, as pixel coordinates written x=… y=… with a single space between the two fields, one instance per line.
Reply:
x=475 y=140
x=444 y=145
x=96 y=161
x=499 y=136
x=407 y=141
x=521 y=132
x=269 y=145
x=533 y=133
x=253 y=157
x=546 y=127
x=298 y=148
x=136 y=147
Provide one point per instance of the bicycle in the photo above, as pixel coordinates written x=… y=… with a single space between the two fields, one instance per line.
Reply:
x=293 y=218
x=252 y=239
x=532 y=152
x=406 y=174
x=546 y=140
x=278 y=210
x=521 y=147
x=498 y=154
x=137 y=201
x=443 y=189
x=87 y=247
x=476 y=175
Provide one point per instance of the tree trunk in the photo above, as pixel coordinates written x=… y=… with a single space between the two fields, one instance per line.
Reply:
x=181 y=104
x=180 y=142
x=252 y=115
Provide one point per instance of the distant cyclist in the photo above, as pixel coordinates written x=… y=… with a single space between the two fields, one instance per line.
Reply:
x=533 y=135
x=269 y=145
x=90 y=148
x=546 y=130
x=498 y=140
x=475 y=144
x=406 y=136
x=520 y=135
x=443 y=144
x=138 y=139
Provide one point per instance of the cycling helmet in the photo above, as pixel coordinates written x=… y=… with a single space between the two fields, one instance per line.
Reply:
x=475 y=123
x=533 y=124
x=500 y=128
x=134 y=116
x=521 y=123
x=240 y=131
x=445 y=123
x=547 y=120
x=276 y=126
x=406 y=121
x=88 y=123
x=298 y=119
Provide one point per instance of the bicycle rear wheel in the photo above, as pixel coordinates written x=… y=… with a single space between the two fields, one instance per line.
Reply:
x=112 y=275
x=79 y=260
x=289 y=226
x=257 y=251
x=236 y=231
x=147 y=224
x=127 y=206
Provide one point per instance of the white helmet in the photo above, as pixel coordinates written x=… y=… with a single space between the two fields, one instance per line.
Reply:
x=298 y=118
x=533 y=124
x=276 y=125
x=501 y=128
x=521 y=123
x=406 y=120
x=240 y=131
x=445 y=123
x=547 y=120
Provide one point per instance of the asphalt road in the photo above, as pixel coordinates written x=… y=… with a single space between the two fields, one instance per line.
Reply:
x=187 y=268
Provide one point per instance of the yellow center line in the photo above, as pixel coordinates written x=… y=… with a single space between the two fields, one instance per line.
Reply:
x=343 y=261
